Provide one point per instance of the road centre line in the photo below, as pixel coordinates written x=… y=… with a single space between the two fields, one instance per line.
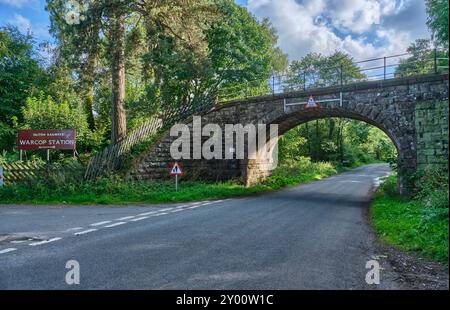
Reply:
x=45 y=241
x=139 y=219
x=159 y=214
x=85 y=232
x=74 y=228
x=19 y=241
x=7 y=250
x=147 y=213
x=100 y=223
x=125 y=218
x=167 y=209
x=116 y=224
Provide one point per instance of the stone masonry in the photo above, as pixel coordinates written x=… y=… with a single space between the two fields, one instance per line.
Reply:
x=412 y=111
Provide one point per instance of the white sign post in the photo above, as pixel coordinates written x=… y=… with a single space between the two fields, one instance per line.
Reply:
x=1 y=176
x=176 y=171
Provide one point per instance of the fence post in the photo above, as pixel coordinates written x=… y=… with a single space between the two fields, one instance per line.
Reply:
x=273 y=84
x=304 y=80
x=384 y=68
x=435 y=61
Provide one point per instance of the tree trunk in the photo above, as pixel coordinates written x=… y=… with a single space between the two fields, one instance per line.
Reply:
x=88 y=106
x=309 y=140
x=88 y=70
x=118 y=116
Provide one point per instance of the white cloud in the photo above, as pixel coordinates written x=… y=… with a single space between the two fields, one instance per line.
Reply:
x=354 y=26
x=22 y=23
x=18 y=3
x=25 y=26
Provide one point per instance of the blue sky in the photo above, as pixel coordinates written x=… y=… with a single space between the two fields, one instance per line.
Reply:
x=362 y=28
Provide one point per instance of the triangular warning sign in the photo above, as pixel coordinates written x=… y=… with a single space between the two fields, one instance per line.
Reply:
x=311 y=103
x=176 y=170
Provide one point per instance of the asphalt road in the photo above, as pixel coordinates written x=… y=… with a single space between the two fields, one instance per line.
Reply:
x=313 y=236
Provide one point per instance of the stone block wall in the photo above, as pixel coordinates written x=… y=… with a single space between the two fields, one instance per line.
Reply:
x=431 y=122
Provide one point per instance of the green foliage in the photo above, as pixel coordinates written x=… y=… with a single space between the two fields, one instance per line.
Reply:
x=19 y=71
x=243 y=49
x=20 y=76
x=347 y=142
x=413 y=225
x=432 y=184
x=317 y=70
x=59 y=188
x=437 y=11
x=422 y=59
x=42 y=112
x=297 y=171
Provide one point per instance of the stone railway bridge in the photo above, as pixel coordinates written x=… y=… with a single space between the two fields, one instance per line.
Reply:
x=412 y=111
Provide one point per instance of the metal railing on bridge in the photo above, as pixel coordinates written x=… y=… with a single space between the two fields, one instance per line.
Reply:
x=381 y=68
x=112 y=157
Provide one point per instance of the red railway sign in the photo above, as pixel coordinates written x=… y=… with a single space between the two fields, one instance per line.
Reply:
x=45 y=139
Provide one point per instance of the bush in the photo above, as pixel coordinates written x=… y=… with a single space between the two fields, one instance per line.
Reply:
x=43 y=112
x=419 y=224
x=299 y=170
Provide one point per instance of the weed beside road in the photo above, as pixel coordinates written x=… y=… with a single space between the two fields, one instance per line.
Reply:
x=418 y=224
x=115 y=190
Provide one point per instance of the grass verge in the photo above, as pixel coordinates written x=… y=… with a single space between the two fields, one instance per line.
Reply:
x=412 y=224
x=114 y=190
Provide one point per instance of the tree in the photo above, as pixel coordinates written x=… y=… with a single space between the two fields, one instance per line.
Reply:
x=118 y=116
x=42 y=112
x=317 y=70
x=20 y=72
x=161 y=54
x=243 y=51
x=20 y=76
x=421 y=60
x=437 y=11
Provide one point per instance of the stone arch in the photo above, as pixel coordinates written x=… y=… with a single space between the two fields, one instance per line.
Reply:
x=412 y=111
x=292 y=120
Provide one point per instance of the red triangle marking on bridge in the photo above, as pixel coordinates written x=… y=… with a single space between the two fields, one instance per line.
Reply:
x=311 y=103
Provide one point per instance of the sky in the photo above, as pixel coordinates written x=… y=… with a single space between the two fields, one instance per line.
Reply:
x=362 y=28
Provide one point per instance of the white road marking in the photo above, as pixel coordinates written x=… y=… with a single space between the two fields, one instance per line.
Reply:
x=45 y=241
x=116 y=224
x=217 y=201
x=19 y=241
x=7 y=250
x=74 y=228
x=85 y=231
x=159 y=214
x=194 y=207
x=147 y=213
x=139 y=219
x=100 y=223
x=167 y=209
x=206 y=204
x=181 y=207
x=176 y=210
x=125 y=218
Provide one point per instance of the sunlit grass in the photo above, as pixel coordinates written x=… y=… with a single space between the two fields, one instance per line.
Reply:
x=409 y=224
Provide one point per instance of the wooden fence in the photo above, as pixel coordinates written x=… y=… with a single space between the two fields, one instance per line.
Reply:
x=111 y=158
x=20 y=171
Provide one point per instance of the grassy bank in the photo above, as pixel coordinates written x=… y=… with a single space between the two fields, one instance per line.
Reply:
x=418 y=224
x=114 y=190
